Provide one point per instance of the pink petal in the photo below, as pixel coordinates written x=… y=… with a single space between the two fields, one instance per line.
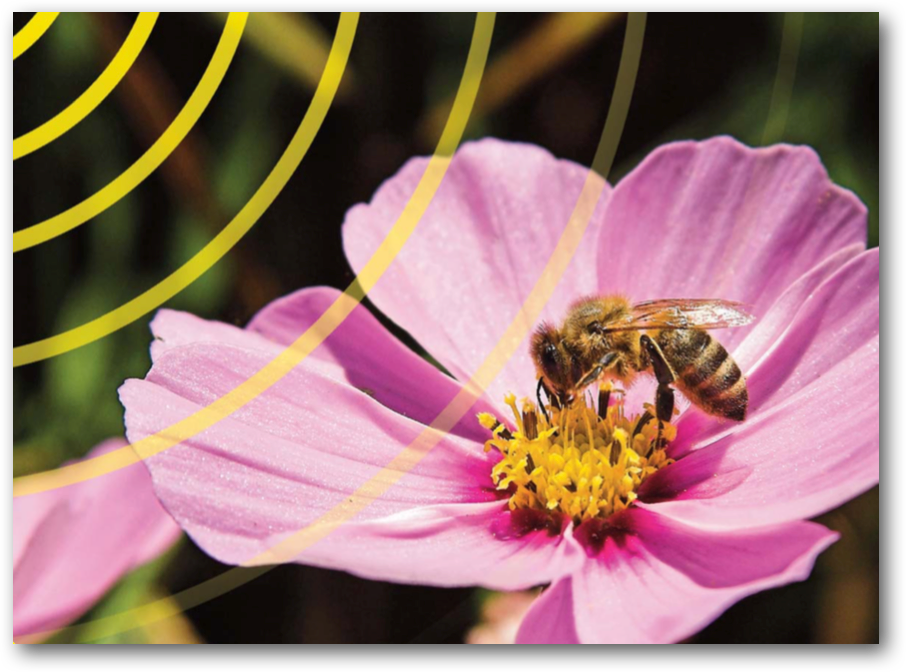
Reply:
x=666 y=581
x=463 y=275
x=719 y=219
x=296 y=451
x=799 y=338
x=360 y=352
x=770 y=327
x=551 y=618
x=453 y=545
x=840 y=319
x=72 y=544
x=813 y=442
x=307 y=408
x=29 y=513
x=174 y=328
x=369 y=358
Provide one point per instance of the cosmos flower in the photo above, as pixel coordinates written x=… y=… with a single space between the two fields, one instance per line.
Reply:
x=636 y=543
x=72 y=544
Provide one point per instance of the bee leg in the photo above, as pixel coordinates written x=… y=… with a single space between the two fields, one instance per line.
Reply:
x=599 y=368
x=664 y=399
x=542 y=386
x=641 y=422
x=603 y=401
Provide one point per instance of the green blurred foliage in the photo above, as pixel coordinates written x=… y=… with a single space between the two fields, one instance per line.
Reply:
x=293 y=42
x=77 y=392
x=836 y=53
x=210 y=291
x=133 y=590
x=250 y=151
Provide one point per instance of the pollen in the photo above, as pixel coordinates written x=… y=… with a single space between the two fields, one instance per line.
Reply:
x=582 y=462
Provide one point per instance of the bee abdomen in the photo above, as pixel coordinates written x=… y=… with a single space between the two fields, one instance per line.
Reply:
x=706 y=373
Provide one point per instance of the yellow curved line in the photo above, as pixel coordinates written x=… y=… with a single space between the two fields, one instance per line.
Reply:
x=194 y=268
x=82 y=106
x=243 y=222
x=32 y=31
x=557 y=265
x=232 y=233
x=151 y=159
x=338 y=311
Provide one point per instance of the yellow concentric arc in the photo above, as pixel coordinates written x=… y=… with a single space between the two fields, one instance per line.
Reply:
x=82 y=106
x=339 y=310
x=182 y=277
x=216 y=249
x=557 y=265
x=244 y=220
x=32 y=31
x=151 y=159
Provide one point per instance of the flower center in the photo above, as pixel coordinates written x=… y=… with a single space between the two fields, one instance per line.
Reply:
x=582 y=462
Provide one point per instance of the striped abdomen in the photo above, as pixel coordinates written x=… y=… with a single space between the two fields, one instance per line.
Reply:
x=705 y=372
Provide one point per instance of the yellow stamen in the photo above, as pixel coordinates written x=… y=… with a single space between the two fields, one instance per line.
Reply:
x=578 y=464
x=487 y=421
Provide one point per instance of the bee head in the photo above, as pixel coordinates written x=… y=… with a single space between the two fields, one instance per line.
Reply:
x=554 y=362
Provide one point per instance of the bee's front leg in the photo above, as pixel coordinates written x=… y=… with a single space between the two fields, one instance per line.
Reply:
x=664 y=399
x=542 y=386
x=597 y=370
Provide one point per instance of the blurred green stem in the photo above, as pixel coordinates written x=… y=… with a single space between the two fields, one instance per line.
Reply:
x=547 y=46
x=150 y=102
x=785 y=78
x=296 y=43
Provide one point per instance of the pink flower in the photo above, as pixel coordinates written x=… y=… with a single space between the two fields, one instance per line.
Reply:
x=708 y=219
x=70 y=545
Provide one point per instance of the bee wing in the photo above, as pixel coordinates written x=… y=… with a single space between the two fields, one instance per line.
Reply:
x=684 y=314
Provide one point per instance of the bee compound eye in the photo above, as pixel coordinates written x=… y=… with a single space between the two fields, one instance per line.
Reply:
x=549 y=356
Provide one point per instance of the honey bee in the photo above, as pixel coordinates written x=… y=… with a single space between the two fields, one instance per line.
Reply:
x=607 y=337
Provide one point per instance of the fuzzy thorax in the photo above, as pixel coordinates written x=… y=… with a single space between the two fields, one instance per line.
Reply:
x=583 y=463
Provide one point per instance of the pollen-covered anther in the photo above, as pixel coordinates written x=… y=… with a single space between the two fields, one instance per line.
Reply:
x=579 y=463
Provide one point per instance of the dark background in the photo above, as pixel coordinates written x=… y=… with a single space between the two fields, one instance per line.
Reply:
x=700 y=75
